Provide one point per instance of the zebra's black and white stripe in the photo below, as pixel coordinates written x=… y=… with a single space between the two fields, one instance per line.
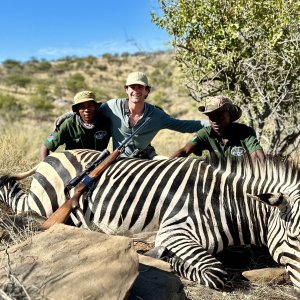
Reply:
x=196 y=208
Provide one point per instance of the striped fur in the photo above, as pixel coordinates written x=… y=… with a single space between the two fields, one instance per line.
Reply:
x=196 y=208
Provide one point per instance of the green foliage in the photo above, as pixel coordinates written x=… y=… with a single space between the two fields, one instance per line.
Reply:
x=248 y=50
x=90 y=60
x=9 y=102
x=102 y=67
x=113 y=59
x=17 y=80
x=12 y=65
x=43 y=88
x=43 y=66
x=76 y=82
x=107 y=56
x=102 y=95
x=40 y=103
x=36 y=66
x=62 y=67
x=125 y=54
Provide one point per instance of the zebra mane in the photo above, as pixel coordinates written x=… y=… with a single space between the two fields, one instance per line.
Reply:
x=270 y=167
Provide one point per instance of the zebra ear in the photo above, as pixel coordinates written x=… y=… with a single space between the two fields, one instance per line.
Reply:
x=278 y=200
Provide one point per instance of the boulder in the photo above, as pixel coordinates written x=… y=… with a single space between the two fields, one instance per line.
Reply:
x=157 y=281
x=267 y=276
x=66 y=262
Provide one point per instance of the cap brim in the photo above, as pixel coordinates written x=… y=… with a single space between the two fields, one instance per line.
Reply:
x=74 y=106
x=224 y=107
x=137 y=82
x=234 y=110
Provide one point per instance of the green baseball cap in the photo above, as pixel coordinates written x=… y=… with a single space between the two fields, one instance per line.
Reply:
x=137 y=78
x=81 y=97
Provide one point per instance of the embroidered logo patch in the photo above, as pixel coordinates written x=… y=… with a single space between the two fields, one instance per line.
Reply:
x=99 y=135
x=50 y=137
x=238 y=151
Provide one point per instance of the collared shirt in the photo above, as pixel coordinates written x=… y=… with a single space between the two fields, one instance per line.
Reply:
x=74 y=136
x=240 y=140
x=115 y=110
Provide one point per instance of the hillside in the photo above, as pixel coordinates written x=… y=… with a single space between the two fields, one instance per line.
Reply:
x=34 y=93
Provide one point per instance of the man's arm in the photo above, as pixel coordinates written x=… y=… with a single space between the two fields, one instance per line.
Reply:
x=258 y=154
x=252 y=144
x=168 y=122
x=44 y=152
x=185 y=151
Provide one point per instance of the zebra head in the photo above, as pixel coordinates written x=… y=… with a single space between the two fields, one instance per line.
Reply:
x=284 y=231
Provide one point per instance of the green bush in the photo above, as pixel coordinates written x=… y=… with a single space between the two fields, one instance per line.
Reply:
x=12 y=65
x=102 y=67
x=76 y=82
x=17 y=80
x=40 y=103
x=42 y=88
x=44 y=66
x=62 y=67
x=9 y=102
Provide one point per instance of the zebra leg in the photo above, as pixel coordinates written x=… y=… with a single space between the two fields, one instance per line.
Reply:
x=192 y=261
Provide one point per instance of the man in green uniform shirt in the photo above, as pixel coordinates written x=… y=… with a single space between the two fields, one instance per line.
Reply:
x=86 y=129
x=223 y=138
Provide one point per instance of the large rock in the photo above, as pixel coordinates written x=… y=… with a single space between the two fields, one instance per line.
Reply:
x=69 y=263
x=267 y=276
x=157 y=281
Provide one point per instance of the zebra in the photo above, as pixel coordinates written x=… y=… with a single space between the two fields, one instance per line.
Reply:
x=197 y=208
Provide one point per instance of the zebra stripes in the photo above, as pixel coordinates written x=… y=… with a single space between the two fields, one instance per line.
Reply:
x=197 y=209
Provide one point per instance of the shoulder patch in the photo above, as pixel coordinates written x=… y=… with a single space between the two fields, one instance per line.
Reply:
x=50 y=137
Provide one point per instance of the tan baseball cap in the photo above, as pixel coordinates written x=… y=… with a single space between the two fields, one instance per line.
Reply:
x=137 y=78
x=81 y=97
x=219 y=104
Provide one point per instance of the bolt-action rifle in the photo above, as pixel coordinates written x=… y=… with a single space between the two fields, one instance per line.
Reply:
x=64 y=211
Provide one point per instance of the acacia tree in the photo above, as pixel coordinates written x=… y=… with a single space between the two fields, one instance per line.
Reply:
x=248 y=50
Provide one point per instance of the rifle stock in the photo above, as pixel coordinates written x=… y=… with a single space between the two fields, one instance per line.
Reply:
x=64 y=211
x=59 y=216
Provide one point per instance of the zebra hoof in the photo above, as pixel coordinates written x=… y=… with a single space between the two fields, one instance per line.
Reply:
x=157 y=252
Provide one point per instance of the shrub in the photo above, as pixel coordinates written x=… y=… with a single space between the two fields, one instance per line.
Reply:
x=12 y=65
x=9 y=102
x=40 y=103
x=17 y=80
x=76 y=82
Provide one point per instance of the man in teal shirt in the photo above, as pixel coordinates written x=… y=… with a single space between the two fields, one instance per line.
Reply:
x=223 y=138
x=127 y=114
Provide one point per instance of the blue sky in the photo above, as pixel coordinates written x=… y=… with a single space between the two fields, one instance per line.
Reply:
x=52 y=29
